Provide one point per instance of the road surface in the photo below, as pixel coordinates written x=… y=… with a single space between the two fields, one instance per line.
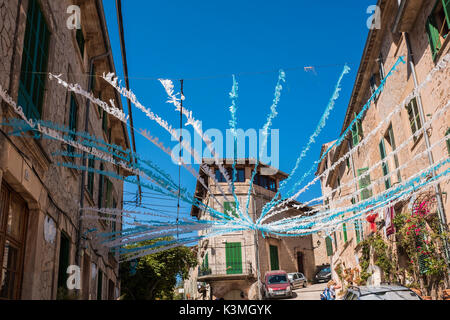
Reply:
x=311 y=292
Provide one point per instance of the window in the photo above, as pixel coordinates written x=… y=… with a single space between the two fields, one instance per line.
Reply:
x=72 y=121
x=80 y=41
x=274 y=263
x=344 y=229
x=438 y=25
x=364 y=182
x=111 y=287
x=34 y=62
x=90 y=182
x=384 y=165
x=13 y=219
x=358 y=228
x=233 y=256
x=266 y=182
x=64 y=254
x=414 y=117
x=230 y=209
x=100 y=285
x=240 y=175
x=329 y=245
x=100 y=188
x=381 y=67
x=448 y=141
x=357 y=132
x=205 y=264
x=391 y=140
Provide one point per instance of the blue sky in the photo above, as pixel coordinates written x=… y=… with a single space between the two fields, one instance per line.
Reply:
x=205 y=42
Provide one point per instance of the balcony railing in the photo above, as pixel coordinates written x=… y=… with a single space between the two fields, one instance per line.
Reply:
x=226 y=269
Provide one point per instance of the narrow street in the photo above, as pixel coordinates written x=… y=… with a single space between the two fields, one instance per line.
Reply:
x=311 y=292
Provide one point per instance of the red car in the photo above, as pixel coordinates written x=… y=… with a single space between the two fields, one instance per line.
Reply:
x=277 y=285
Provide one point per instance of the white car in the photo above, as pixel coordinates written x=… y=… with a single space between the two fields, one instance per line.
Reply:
x=298 y=280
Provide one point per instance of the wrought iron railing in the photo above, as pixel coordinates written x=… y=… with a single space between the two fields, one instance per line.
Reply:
x=226 y=269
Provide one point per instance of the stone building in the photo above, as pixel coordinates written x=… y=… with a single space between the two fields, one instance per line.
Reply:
x=41 y=233
x=227 y=263
x=418 y=31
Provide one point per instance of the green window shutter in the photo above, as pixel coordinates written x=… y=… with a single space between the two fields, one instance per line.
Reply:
x=233 y=256
x=446 y=5
x=230 y=207
x=357 y=225
x=274 y=263
x=91 y=165
x=206 y=262
x=448 y=141
x=100 y=188
x=80 y=41
x=363 y=183
x=329 y=245
x=34 y=62
x=384 y=166
x=433 y=36
x=72 y=121
x=344 y=228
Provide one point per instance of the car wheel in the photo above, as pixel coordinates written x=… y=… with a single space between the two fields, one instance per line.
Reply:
x=304 y=284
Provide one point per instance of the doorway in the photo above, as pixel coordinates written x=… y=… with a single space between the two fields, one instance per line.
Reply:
x=300 y=262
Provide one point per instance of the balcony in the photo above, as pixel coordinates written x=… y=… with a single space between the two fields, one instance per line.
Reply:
x=233 y=271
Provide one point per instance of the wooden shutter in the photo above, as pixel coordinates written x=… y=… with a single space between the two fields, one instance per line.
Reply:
x=448 y=141
x=34 y=62
x=344 y=228
x=90 y=182
x=384 y=165
x=233 y=256
x=433 y=36
x=363 y=183
x=230 y=207
x=329 y=245
x=446 y=5
x=274 y=263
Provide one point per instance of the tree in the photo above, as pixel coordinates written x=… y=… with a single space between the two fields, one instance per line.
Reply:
x=155 y=275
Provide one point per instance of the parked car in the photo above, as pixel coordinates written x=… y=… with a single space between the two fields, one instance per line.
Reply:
x=277 y=285
x=297 y=280
x=383 y=292
x=324 y=275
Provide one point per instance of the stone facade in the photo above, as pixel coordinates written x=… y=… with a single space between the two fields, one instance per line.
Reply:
x=295 y=254
x=401 y=22
x=29 y=172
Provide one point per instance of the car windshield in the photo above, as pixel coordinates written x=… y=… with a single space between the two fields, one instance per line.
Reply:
x=391 y=295
x=290 y=276
x=277 y=278
x=325 y=271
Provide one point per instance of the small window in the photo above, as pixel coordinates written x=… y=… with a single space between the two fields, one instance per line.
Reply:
x=364 y=182
x=357 y=132
x=90 y=182
x=80 y=41
x=448 y=141
x=384 y=165
x=34 y=62
x=414 y=117
x=72 y=121
x=230 y=209
x=329 y=245
x=438 y=26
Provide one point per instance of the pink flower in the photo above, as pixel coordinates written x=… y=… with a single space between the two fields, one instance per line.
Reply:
x=407 y=233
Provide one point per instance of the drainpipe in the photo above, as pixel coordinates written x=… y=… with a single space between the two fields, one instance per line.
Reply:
x=83 y=175
x=437 y=188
